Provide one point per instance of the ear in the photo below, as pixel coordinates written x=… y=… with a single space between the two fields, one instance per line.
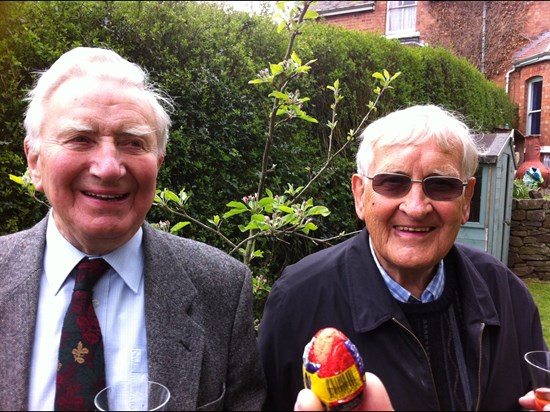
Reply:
x=33 y=164
x=468 y=195
x=358 y=188
x=160 y=160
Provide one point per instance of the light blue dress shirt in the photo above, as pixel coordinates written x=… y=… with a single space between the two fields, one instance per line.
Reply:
x=119 y=304
x=431 y=293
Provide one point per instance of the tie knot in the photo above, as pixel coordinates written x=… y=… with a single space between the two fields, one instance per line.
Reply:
x=87 y=273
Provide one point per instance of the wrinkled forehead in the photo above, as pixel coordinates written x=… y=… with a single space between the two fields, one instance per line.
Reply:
x=84 y=104
x=424 y=158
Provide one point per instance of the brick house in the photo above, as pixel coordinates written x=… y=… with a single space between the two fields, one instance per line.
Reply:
x=508 y=41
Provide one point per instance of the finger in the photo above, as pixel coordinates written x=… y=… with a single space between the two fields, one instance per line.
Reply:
x=528 y=401
x=375 y=396
x=307 y=401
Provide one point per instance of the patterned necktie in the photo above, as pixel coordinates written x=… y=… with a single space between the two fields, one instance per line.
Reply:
x=81 y=367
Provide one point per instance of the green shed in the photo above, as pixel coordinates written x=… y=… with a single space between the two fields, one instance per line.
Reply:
x=489 y=225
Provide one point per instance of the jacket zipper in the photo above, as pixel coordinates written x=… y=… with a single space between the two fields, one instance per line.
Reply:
x=479 y=366
x=425 y=354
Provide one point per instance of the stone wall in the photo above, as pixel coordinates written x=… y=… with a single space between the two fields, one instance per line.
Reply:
x=529 y=252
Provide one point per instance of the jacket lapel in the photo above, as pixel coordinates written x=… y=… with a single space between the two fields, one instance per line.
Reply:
x=175 y=343
x=18 y=310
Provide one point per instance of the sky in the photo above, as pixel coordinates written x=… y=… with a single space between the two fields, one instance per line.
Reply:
x=249 y=6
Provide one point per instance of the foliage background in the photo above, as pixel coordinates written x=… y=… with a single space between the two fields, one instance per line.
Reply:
x=203 y=57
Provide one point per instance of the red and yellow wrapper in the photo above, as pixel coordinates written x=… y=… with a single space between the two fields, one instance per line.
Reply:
x=333 y=369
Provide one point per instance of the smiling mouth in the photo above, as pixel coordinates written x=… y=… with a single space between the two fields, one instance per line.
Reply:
x=413 y=229
x=109 y=198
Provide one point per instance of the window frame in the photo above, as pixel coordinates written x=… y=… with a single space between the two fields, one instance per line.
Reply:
x=407 y=32
x=533 y=112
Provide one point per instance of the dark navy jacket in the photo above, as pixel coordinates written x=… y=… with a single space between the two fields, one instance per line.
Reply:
x=342 y=287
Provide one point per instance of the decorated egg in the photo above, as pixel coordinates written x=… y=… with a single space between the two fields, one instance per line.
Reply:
x=333 y=369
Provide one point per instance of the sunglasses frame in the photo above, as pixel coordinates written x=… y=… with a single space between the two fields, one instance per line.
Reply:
x=411 y=181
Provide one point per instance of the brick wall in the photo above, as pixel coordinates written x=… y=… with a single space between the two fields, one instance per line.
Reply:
x=533 y=20
x=373 y=21
x=518 y=92
x=529 y=252
x=538 y=16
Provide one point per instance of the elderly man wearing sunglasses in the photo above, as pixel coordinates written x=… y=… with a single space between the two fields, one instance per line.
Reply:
x=443 y=325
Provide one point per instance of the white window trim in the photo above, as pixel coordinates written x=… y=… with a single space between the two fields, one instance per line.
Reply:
x=529 y=105
x=400 y=33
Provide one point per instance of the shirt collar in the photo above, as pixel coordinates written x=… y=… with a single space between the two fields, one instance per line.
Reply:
x=61 y=257
x=432 y=292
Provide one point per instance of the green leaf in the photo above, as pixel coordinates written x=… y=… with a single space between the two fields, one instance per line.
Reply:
x=258 y=253
x=233 y=212
x=395 y=76
x=215 y=220
x=17 y=179
x=237 y=205
x=276 y=69
x=378 y=76
x=169 y=195
x=257 y=81
x=250 y=226
x=289 y=219
x=285 y=209
x=309 y=226
x=311 y=14
x=257 y=218
x=279 y=95
x=178 y=226
x=318 y=210
x=307 y=118
x=295 y=57
x=266 y=202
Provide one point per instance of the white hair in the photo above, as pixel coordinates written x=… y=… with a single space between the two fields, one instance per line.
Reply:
x=417 y=125
x=95 y=63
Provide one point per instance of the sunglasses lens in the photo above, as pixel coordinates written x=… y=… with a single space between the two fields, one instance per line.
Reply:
x=443 y=188
x=391 y=185
x=435 y=187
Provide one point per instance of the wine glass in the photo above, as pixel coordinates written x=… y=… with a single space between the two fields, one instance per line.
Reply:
x=538 y=363
x=133 y=396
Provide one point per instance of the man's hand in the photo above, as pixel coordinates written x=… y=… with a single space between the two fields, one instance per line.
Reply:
x=375 y=398
x=527 y=402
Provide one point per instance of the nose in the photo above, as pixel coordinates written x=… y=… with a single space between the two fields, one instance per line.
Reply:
x=415 y=203
x=107 y=162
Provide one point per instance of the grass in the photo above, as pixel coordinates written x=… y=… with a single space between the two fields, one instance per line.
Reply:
x=541 y=293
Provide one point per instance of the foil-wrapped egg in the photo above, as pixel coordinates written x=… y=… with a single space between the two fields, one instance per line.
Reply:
x=333 y=369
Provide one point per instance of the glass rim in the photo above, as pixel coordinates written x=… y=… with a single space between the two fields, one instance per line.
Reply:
x=527 y=357
x=149 y=384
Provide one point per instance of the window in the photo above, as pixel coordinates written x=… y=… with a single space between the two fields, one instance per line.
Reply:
x=534 y=101
x=475 y=204
x=545 y=155
x=401 y=19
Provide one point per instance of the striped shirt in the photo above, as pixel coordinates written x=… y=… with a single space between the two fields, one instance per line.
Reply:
x=432 y=292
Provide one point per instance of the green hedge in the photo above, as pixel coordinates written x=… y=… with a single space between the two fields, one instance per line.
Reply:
x=204 y=57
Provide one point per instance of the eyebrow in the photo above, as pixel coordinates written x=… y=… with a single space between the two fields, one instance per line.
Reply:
x=139 y=131
x=67 y=125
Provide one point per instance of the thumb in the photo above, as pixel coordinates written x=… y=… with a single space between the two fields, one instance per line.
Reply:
x=307 y=401
x=375 y=396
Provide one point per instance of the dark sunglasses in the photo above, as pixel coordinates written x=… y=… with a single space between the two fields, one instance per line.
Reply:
x=435 y=187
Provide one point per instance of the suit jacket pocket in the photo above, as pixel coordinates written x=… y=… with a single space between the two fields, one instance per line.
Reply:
x=215 y=405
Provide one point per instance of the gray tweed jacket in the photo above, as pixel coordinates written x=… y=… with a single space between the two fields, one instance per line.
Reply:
x=198 y=309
